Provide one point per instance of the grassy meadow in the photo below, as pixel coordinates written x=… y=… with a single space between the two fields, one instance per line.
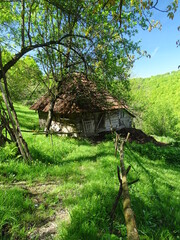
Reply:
x=73 y=183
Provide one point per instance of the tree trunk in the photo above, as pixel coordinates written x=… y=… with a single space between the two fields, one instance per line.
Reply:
x=50 y=115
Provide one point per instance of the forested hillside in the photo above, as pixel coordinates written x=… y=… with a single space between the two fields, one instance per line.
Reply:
x=157 y=102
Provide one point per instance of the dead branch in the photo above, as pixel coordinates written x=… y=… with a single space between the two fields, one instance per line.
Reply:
x=116 y=144
x=134 y=181
x=21 y=143
x=132 y=233
x=128 y=169
x=112 y=214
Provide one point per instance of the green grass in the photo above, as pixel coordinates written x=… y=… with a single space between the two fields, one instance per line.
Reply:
x=86 y=185
x=16 y=210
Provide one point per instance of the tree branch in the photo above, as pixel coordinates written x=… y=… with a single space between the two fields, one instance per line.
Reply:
x=127 y=170
x=120 y=12
x=27 y=49
x=22 y=23
x=112 y=214
x=134 y=181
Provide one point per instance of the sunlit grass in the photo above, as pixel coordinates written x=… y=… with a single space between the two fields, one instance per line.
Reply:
x=87 y=185
x=164 y=139
x=16 y=210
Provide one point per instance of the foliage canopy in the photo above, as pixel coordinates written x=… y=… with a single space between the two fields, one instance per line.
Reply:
x=93 y=35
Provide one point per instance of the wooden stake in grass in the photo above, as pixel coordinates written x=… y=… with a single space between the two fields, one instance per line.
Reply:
x=21 y=143
x=132 y=233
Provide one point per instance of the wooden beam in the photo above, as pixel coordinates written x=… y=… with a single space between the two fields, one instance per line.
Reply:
x=132 y=233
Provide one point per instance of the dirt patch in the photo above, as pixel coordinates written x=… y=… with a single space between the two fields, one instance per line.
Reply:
x=49 y=229
x=46 y=228
x=138 y=136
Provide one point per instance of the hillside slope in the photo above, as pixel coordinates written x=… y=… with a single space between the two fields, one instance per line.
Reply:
x=68 y=190
x=157 y=102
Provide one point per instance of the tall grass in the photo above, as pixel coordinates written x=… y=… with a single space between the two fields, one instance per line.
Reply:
x=87 y=185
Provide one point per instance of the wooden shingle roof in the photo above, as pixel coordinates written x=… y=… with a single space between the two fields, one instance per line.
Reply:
x=79 y=95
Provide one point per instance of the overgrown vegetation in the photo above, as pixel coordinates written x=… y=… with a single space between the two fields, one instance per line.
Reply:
x=93 y=38
x=82 y=180
x=25 y=79
x=157 y=102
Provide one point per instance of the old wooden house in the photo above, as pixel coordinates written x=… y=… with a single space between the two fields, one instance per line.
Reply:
x=83 y=109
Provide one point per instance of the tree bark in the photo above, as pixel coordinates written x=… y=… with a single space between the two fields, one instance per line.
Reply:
x=132 y=233
x=22 y=24
x=112 y=215
x=50 y=115
x=5 y=123
x=21 y=143
x=18 y=141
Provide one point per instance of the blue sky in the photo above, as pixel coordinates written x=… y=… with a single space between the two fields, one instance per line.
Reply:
x=161 y=45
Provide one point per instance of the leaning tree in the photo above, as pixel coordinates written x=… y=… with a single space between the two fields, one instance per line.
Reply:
x=77 y=35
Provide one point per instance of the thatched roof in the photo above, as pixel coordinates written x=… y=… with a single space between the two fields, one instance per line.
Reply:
x=77 y=96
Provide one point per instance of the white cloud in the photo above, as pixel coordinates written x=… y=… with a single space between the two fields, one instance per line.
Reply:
x=154 y=52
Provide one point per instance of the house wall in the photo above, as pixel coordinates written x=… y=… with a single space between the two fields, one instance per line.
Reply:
x=118 y=120
x=64 y=125
x=88 y=124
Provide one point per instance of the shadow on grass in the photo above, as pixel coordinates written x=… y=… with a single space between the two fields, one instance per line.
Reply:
x=21 y=211
x=90 y=219
x=162 y=208
x=28 y=123
x=28 y=119
x=155 y=209
x=66 y=158
x=171 y=154
x=153 y=219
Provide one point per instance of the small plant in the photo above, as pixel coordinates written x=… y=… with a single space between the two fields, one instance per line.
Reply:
x=9 y=151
